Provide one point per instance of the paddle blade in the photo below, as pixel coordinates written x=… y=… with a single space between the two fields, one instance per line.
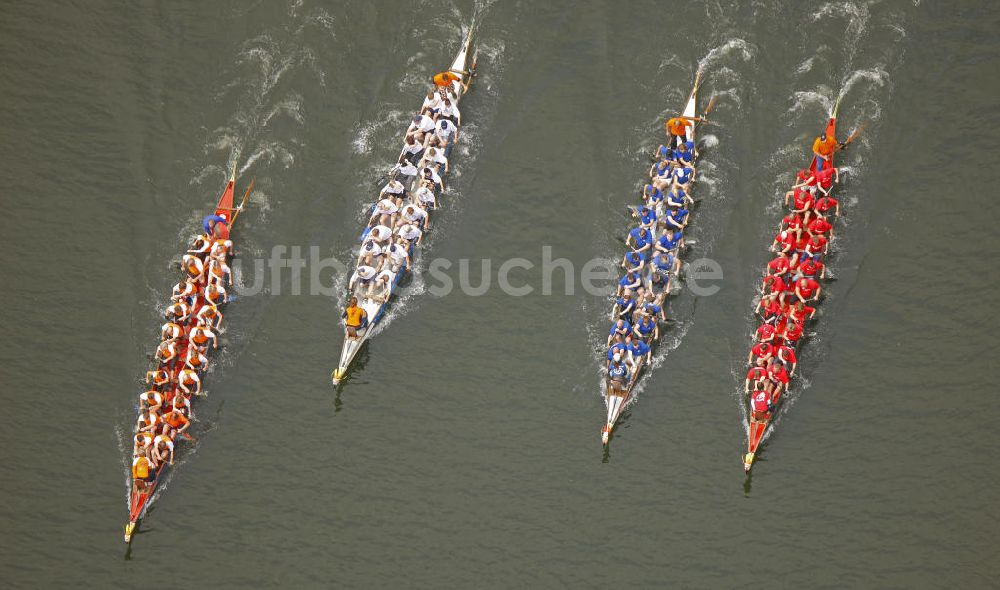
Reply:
x=856 y=133
x=711 y=105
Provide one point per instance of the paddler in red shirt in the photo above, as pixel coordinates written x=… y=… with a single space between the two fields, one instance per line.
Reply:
x=777 y=374
x=786 y=354
x=765 y=333
x=807 y=289
x=809 y=268
x=820 y=226
x=758 y=375
x=825 y=203
x=762 y=352
x=761 y=405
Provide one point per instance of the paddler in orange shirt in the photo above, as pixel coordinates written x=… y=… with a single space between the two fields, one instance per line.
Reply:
x=677 y=130
x=824 y=147
x=445 y=79
x=176 y=422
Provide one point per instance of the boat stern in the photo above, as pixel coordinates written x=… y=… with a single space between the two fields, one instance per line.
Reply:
x=748 y=462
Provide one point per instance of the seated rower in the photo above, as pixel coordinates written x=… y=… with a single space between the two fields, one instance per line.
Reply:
x=393 y=190
x=765 y=333
x=800 y=312
x=361 y=279
x=802 y=201
x=397 y=257
x=639 y=352
x=167 y=351
x=792 y=332
x=634 y=262
x=677 y=198
x=175 y=423
x=381 y=234
x=171 y=331
x=421 y=129
x=682 y=177
x=413 y=214
x=425 y=197
x=664 y=153
x=431 y=103
x=445 y=133
x=785 y=243
x=617 y=374
x=779 y=266
x=219 y=271
x=182 y=404
x=430 y=175
x=163 y=449
x=184 y=291
x=807 y=289
x=385 y=212
x=640 y=239
x=624 y=306
x=669 y=240
x=786 y=355
x=152 y=400
x=661 y=175
x=825 y=178
x=676 y=219
x=820 y=226
x=645 y=329
x=630 y=281
x=652 y=196
x=381 y=288
x=143 y=471
x=209 y=315
x=142 y=443
x=810 y=268
x=194 y=266
x=684 y=154
x=412 y=149
x=760 y=354
x=195 y=358
x=665 y=265
x=757 y=376
x=647 y=217
x=449 y=111
x=355 y=318
x=794 y=223
x=159 y=377
x=148 y=421
x=778 y=377
x=761 y=406
x=618 y=348
x=436 y=159
x=404 y=171
x=410 y=234
x=813 y=247
x=200 y=245
x=370 y=254
x=215 y=294
x=654 y=310
x=619 y=330
x=189 y=382
x=825 y=203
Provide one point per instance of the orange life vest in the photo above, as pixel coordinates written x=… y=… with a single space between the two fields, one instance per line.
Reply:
x=176 y=419
x=141 y=468
x=354 y=316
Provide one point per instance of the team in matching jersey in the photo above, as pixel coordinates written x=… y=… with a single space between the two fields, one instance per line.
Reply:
x=192 y=326
x=652 y=261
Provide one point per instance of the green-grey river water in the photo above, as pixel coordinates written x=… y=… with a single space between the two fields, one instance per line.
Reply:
x=463 y=450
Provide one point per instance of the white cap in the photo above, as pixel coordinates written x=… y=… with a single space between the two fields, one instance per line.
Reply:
x=618 y=357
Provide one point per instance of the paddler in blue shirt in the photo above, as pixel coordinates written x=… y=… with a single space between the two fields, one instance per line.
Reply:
x=210 y=222
x=618 y=348
x=647 y=217
x=619 y=330
x=676 y=198
x=639 y=350
x=676 y=219
x=634 y=262
x=645 y=328
x=641 y=239
x=631 y=280
x=669 y=241
x=624 y=306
